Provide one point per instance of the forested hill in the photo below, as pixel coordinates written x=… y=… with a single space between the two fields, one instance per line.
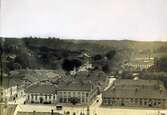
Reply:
x=52 y=53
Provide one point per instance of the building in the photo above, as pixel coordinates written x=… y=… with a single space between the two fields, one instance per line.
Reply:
x=84 y=92
x=98 y=78
x=10 y=89
x=136 y=93
x=140 y=64
x=41 y=93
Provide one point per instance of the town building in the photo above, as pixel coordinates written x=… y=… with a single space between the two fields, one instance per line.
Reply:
x=41 y=93
x=10 y=90
x=140 y=64
x=136 y=93
x=84 y=92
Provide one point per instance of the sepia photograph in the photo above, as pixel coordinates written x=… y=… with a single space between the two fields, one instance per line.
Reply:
x=83 y=57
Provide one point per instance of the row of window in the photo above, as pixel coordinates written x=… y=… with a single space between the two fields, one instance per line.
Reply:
x=146 y=102
x=67 y=100
x=65 y=93
x=36 y=97
x=133 y=99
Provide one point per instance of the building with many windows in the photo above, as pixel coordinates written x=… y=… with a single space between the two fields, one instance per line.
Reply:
x=140 y=64
x=10 y=90
x=136 y=93
x=84 y=92
x=41 y=93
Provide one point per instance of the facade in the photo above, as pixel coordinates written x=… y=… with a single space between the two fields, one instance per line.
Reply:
x=136 y=93
x=140 y=63
x=41 y=93
x=84 y=92
x=9 y=90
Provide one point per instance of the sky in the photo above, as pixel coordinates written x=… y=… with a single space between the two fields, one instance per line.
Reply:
x=85 y=19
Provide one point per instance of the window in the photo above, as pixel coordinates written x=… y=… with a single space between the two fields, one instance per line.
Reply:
x=74 y=94
x=35 y=97
x=83 y=100
x=69 y=93
x=83 y=93
x=32 y=96
x=65 y=100
x=145 y=103
x=49 y=96
x=60 y=93
x=86 y=94
x=61 y=100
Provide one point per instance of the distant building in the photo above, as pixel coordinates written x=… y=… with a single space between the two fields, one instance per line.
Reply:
x=41 y=93
x=11 y=90
x=98 y=78
x=83 y=91
x=136 y=93
x=140 y=63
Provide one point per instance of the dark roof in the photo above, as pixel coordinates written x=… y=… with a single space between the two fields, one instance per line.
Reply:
x=42 y=88
x=128 y=83
x=92 y=76
x=75 y=86
x=37 y=113
x=36 y=75
x=136 y=89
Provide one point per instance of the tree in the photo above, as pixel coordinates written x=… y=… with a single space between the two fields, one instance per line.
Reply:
x=162 y=64
x=111 y=54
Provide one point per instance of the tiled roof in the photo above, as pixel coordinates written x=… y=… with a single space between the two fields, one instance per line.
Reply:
x=139 y=83
x=42 y=88
x=75 y=86
x=136 y=89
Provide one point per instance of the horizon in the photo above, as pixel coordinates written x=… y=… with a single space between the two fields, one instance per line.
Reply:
x=82 y=39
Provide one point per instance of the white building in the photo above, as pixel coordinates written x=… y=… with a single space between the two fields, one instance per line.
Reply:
x=83 y=91
x=9 y=90
x=41 y=93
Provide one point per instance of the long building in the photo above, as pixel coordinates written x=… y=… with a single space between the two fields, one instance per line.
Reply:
x=41 y=93
x=84 y=92
x=11 y=90
x=136 y=93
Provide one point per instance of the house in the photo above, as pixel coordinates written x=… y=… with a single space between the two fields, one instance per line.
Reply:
x=9 y=90
x=84 y=92
x=98 y=78
x=41 y=93
x=136 y=93
x=140 y=64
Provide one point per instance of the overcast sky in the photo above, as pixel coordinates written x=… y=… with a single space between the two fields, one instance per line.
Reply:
x=100 y=19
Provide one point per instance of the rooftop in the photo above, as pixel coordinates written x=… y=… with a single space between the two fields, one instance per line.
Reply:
x=136 y=89
x=75 y=86
x=42 y=88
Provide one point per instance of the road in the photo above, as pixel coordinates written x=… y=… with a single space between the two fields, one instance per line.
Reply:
x=93 y=110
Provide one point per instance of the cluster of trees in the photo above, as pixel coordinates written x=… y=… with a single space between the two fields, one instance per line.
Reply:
x=34 y=53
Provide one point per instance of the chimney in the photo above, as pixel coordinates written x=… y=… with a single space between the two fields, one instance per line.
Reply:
x=51 y=111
